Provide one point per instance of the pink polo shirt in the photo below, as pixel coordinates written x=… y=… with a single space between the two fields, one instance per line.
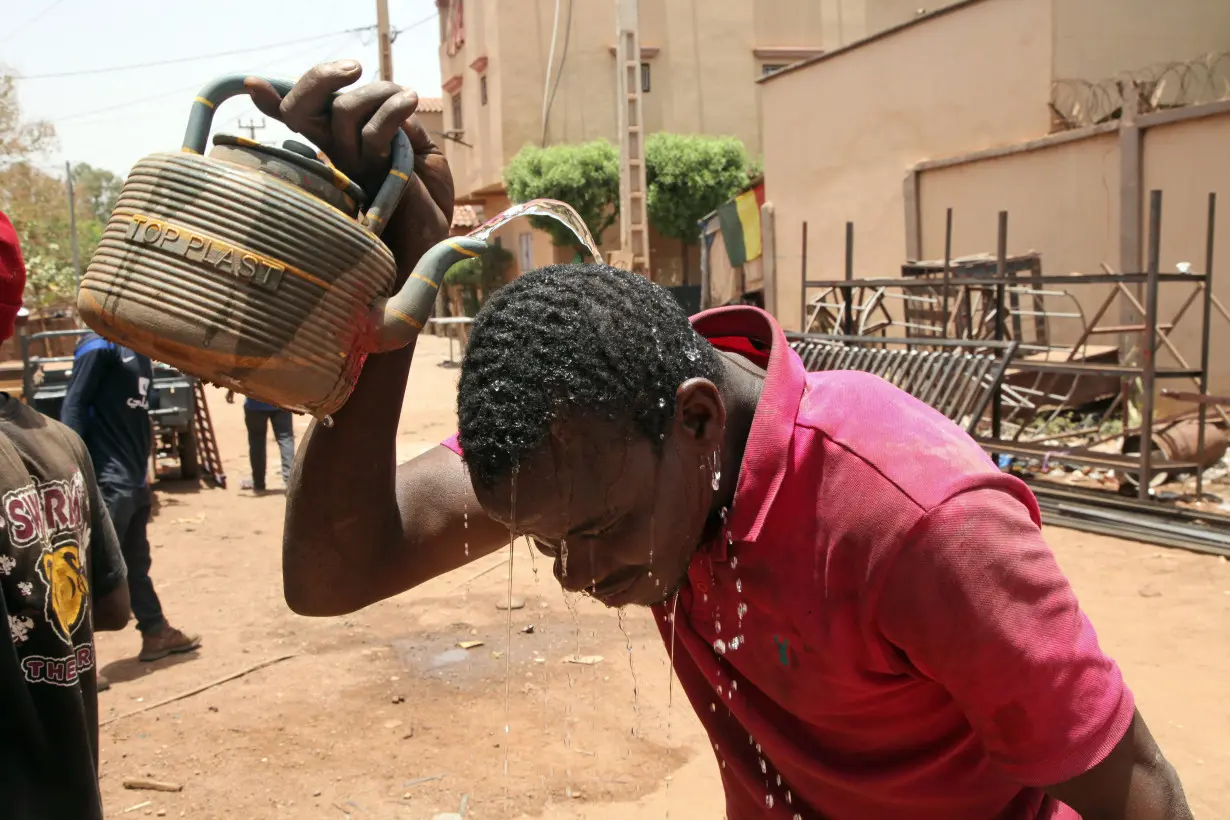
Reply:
x=883 y=632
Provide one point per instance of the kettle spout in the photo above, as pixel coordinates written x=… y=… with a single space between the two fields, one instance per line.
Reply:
x=400 y=318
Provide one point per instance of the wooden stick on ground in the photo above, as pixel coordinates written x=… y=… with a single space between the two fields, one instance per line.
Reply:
x=488 y=570
x=140 y=784
x=199 y=689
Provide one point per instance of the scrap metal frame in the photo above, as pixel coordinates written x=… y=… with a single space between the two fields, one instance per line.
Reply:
x=846 y=298
x=958 y=377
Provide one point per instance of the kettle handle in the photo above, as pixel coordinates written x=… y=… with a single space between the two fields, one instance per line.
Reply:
x=232 y=85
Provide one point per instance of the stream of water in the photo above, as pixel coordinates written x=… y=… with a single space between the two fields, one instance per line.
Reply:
x=561 y=212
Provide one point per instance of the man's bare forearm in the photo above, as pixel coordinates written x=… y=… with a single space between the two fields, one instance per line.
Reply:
x=341 y=510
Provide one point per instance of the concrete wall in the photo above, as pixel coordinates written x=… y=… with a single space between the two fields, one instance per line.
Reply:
x=842 y=133
x=1098 y=39
x=1063 y=201
x=1186 y=161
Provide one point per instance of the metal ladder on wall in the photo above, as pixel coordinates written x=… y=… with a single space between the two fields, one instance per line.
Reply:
x=633 y=210
x=206 y=445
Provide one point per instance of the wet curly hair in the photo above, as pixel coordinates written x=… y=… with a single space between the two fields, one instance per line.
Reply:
x=565 y=338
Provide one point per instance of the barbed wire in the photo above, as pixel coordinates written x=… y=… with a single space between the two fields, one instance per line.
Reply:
x=1079 y=103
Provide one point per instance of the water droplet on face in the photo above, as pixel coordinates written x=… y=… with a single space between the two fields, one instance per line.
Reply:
x=661 y=403
x=763 y=766
x=768 y=800
x=719 y=646
x=790 y=798
x=738 y=585
x=734 y=562
x=734 y=684
x=742 y=609
x=797 y=817
x=736 y=642
x=779 y=780
x=712 y=707
x=757 y=748
x=719 y=691
x=723 y=764
x=717 y=627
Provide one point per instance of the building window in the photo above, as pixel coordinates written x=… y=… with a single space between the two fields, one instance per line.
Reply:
x=482 y=89
x=770 y=68
x=646 y=79
x=457 y=125
x=525 y=251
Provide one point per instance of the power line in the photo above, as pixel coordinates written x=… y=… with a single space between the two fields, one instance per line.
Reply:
x=32 y=20
x=184 y=89
x=156 y=63
x=77 y=117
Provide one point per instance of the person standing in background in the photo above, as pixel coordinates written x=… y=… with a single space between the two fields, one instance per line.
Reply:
x=61 y=580
x=259 y=416
x=107 y=404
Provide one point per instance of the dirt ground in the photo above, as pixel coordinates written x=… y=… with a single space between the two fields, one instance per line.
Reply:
x=380 y=715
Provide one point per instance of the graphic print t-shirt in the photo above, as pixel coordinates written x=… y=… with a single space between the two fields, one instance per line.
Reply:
x=58 y=553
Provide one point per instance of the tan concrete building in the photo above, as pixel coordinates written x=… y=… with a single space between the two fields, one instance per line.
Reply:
x=1013 y=105
x=700 y=66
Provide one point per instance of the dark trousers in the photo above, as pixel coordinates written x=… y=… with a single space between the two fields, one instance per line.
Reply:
x=283 y=431
x=129 y=511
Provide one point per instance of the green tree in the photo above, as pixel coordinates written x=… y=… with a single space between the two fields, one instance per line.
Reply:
x=689 y=176
x=585 y=176
x=20 y=139
x=37 y=204
x=96 y=191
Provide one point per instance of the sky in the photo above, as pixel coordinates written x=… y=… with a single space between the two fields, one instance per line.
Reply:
x=110 y=119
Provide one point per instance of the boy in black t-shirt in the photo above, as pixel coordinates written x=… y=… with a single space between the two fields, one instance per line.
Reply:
x=61 y=578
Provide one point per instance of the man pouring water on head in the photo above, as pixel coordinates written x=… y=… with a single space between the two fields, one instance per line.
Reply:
x=847 y=579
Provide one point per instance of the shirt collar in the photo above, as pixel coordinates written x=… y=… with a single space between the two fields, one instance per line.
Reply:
x=757 y=336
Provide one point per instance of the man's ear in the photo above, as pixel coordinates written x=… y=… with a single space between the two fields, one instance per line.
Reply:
x=700 y=413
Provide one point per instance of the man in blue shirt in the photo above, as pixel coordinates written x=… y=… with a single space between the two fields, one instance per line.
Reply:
x=107 y=404
x=259 y=417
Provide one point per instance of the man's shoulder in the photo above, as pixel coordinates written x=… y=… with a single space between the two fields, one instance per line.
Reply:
x=904 y=442
x=90 y=343
x=32 y=432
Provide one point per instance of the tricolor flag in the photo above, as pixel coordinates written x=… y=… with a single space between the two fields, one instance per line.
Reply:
x=740 y=223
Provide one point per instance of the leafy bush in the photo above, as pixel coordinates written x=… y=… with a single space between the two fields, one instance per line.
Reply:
x=689 y=176
x=585 y=176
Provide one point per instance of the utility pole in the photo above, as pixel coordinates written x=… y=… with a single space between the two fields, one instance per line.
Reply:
x=251 y=127
x=385 y=39
x=633 y=211
x=72 y=221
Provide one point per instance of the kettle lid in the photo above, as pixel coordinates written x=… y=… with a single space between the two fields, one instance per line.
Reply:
x=296 y=164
